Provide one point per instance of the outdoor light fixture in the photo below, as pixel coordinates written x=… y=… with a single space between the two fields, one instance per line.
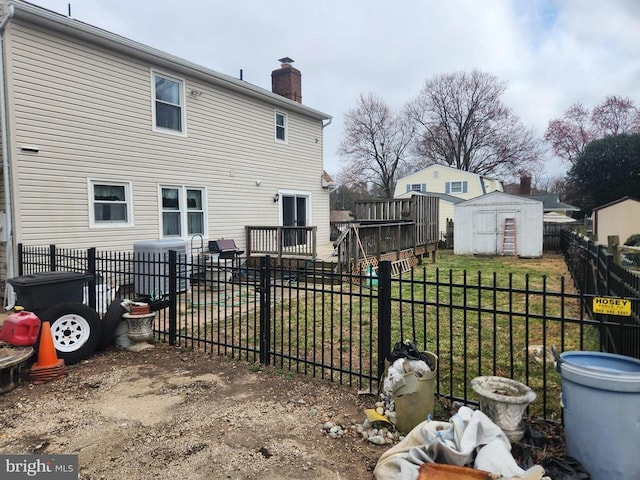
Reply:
x=276 y=197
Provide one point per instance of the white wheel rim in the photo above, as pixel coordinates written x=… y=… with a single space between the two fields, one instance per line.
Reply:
x=70 y=332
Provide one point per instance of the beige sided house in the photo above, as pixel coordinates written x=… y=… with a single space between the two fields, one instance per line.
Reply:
x=443 y=179
x=106 y=142
x=451 y=185
x=620 y=217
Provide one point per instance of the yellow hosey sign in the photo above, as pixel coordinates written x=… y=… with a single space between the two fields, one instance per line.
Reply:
x=612 y=306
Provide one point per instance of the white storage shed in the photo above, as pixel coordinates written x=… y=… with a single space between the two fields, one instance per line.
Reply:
x=498 y=224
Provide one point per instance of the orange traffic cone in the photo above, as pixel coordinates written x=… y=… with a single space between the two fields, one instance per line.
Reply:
x=48 y=367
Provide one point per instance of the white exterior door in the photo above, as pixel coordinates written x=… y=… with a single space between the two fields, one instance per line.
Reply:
x=489 y=230
x=486 y=232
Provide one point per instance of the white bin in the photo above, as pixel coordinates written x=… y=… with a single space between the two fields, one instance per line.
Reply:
x=601 y=400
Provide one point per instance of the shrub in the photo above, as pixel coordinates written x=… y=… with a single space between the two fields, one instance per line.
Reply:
x=631 y=259
x=633 y=240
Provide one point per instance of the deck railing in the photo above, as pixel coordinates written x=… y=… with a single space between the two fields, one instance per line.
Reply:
x=282 y=241
x=372 y=240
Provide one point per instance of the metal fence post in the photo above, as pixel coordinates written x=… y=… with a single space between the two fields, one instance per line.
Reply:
x=91 y=268
x=384 y=314
x=52 y=258
x=20 y=259
x=265 y=310
x=173 y=296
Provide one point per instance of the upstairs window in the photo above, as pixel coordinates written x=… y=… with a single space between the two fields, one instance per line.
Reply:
x=168 y=108
x=456 y=187
x=183 y=212
x=416 y=187
x=110 y=203
x=281 y=127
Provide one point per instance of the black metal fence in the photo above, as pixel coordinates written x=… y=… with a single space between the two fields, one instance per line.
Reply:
x=596 y=274
x=343 y=327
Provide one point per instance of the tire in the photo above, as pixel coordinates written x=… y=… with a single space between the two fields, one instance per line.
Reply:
x=76 y=330
x=109 y=323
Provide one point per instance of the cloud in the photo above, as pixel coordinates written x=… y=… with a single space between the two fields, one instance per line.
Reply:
x=552 y=53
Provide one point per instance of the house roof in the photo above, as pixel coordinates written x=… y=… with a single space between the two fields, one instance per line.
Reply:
x=620 y=200
x=499 y=198
x=556 y=217
x=88 y=33
x=443 y=196
x=551 y=203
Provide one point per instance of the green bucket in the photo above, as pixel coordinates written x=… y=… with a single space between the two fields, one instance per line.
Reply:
x=414 y=396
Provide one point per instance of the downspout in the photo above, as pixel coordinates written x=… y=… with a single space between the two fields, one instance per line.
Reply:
x=9 y=295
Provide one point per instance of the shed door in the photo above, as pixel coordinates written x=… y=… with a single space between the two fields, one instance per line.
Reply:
x=486 y=232
x=489 y=229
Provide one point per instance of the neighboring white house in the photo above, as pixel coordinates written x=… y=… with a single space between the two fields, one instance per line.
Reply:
x=451 y=185
x=620 y=217
x=479 y=225
x=106 y=142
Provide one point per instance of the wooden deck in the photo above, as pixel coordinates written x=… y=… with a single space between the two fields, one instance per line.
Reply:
x=401 y=230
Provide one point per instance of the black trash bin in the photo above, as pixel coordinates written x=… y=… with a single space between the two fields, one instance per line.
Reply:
x=40 y=291
x=56 y=297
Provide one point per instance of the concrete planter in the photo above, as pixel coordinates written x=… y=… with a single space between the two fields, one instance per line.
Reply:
x=504 y=401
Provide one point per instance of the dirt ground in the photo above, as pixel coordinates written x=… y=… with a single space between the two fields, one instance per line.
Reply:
x=164 y=413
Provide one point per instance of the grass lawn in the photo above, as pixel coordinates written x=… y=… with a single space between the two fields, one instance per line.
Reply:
x=477 y=314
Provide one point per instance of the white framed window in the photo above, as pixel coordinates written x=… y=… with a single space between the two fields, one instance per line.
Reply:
x=416 y=187
x=281 y=127
x=182 y=211
x=168 y=103
x=456 y=187
x=110 y=204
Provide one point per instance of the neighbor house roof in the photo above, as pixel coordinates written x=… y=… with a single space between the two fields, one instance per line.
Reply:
x=75 y=28
x=442 y=196
x=620 y=200
x=551 y=203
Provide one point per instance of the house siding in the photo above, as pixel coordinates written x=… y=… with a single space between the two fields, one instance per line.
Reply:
x=89 y=112
x=621 y=219
x=436 y=178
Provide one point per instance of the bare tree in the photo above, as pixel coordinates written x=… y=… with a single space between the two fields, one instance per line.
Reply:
x=375 y=144
x=570 y=134
x=464 y=124
x=578 y=126
x=615 y=116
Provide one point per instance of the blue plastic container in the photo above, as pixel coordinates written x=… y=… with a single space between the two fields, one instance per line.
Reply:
x=601 y=400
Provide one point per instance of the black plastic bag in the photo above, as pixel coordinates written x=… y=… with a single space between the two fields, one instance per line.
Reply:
x=410 y=351
x=565 y=468
x=557 y=467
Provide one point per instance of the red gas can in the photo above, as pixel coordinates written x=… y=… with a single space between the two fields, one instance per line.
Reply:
x=20 y=329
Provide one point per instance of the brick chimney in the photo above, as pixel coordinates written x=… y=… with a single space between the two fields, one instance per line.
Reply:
x=287 y=80
x=525 y=184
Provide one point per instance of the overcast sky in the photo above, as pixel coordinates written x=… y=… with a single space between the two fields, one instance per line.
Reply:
x=552 y=53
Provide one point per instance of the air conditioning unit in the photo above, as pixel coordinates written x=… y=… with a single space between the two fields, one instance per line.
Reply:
x=151 y=267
